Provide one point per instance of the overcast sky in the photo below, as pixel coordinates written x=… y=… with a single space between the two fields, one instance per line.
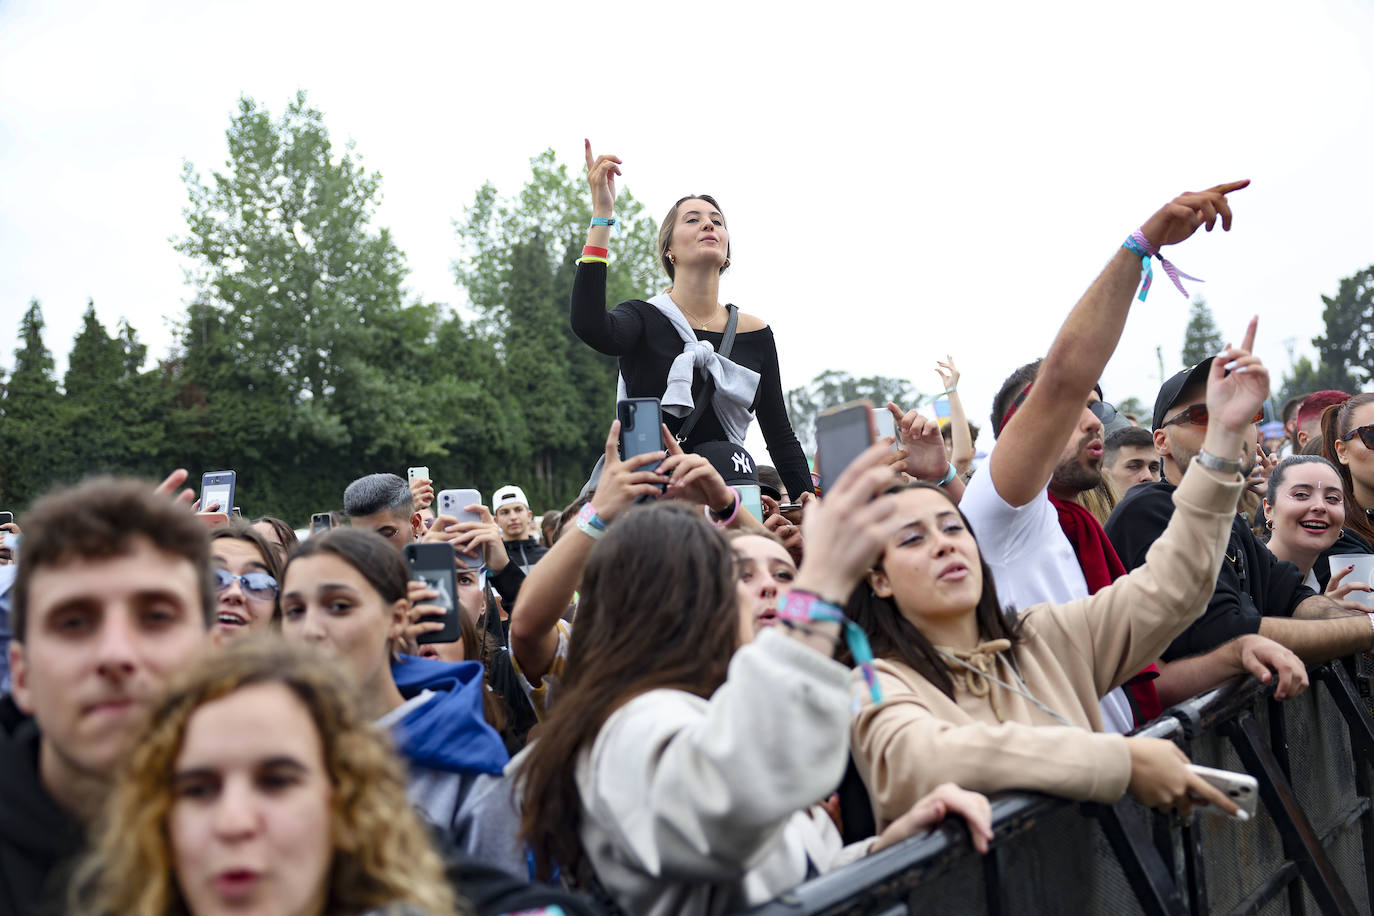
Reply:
x=901 y=180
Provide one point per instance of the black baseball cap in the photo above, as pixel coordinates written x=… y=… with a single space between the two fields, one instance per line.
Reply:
x=733 y=462
x=1170 y=390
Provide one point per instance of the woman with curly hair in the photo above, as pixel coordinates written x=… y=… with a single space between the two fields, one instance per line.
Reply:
x=257 y=785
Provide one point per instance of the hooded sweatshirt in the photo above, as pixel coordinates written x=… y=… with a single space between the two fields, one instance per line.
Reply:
x=37 y=838
x=455 y=759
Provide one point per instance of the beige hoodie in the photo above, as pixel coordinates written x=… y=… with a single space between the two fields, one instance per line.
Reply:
x=989 y=739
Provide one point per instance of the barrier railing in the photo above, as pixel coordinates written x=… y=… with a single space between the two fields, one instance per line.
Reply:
x=1310 y=849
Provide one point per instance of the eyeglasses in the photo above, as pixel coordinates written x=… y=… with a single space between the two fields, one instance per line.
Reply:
x=257 y=584
x=1197 y=415
x=1366 y=434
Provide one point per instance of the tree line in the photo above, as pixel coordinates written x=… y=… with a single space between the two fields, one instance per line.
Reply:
x=301 y=364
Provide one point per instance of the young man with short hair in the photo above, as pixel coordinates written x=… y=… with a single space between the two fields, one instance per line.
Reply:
x=113 y=595
x=383 y=503
x=516 y=520
x=1129 y=458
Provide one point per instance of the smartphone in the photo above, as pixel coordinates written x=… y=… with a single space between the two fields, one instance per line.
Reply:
x=792 y=512
x=751 y=498
x=842 y=434
x=641 y=431
x=6 y=518
x=321 y=521
x=433 y=564
x=217 y=491
x=1241 y=788
x=417 y=473
x=884 y=424
x=455 y=503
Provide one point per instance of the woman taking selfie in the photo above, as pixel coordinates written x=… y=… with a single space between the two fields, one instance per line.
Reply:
x=345 y=592
x=258 y=787
x=679 y=770
x=670 y=346
x=970 y=698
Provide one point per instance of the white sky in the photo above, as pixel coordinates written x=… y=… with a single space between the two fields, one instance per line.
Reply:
x=901 y=181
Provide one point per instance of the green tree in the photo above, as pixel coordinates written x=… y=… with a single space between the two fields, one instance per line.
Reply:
x=1345 y=353
x=301 y=366
x=517 y=268
x=33 y=452
x=833 y=387
x=1201 y=338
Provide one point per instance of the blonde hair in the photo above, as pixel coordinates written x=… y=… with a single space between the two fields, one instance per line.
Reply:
x=382 y=854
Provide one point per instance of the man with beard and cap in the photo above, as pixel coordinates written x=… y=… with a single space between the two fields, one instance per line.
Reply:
x=1255 y=592
x=1041 y=544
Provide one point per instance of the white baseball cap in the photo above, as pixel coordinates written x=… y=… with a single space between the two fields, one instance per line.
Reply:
x=508 y=494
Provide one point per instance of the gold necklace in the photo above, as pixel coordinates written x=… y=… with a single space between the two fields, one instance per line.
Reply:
x=702 y=326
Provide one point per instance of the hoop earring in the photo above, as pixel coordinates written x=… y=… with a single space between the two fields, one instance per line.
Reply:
x=671 y=258
x=726 y=265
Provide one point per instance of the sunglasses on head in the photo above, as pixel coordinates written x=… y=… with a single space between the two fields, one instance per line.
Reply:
x=1103 y=411
x=1197 y=415
x=256 y=584
x=1366 y=434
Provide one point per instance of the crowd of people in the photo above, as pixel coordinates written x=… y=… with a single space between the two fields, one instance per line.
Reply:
x=660 y=701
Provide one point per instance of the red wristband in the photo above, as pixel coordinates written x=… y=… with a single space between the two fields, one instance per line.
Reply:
x=594 y=252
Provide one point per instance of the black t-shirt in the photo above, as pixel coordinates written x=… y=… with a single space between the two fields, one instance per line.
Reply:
x=1252 y=583
x=647 y=343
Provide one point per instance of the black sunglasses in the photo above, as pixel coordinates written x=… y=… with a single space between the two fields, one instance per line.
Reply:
x=1366 y=434
x=257 y=584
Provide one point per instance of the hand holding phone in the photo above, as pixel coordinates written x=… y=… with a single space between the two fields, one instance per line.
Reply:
x=321 y=521
x=1241 y=788
x=217 y=491
x=433 y=564
x=453 y=508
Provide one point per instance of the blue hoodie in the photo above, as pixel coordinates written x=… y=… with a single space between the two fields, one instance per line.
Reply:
x=455 y=760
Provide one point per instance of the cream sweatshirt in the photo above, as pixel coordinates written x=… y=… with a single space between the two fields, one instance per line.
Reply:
x=703 y=806
x=989 y=739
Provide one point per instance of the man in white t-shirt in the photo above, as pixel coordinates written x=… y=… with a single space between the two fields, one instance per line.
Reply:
x=1049 y=449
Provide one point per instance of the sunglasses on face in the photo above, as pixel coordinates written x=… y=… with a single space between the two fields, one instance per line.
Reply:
x=255 y=584
x=1366 y=434
x=1197 y=415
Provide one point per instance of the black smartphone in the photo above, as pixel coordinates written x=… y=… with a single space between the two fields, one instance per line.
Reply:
x=842 y=434
x=641 y=421
x=434 y=565
x=217 y=491
x=6 y=518
x=321 y=521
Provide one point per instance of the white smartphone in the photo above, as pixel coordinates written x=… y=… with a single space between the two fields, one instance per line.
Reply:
x=454 y=503
x=420 y=473
x=884 y=424
x=1241 y=788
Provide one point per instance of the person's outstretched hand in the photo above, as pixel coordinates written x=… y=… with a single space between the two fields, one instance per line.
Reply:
x=926 y=458
x=601 y=173
x=620 y=484
x=1181 y=217
x=1237 y=384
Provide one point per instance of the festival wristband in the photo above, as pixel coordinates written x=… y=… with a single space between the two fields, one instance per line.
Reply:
x=949 y=475
x=605 y=221
x=596 y=252
x=591 y=524
x=802 y=607
x=1140 y=246
x=593 y=259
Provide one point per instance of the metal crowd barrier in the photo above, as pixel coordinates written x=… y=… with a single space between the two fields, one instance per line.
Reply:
x=1310 y=849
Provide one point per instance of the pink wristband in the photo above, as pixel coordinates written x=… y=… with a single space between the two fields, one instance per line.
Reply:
x=725 y=522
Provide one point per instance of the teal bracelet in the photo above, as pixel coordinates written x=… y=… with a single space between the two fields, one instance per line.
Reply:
x=949 y=475
x=603 y=221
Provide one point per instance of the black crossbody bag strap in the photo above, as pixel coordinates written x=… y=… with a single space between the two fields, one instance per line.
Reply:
x=703 y=403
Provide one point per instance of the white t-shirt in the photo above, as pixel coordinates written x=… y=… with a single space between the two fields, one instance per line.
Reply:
x=1032 y=563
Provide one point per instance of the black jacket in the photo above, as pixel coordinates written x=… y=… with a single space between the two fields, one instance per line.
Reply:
x=1253 y=583
x=526 y=553
x=38 y=840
